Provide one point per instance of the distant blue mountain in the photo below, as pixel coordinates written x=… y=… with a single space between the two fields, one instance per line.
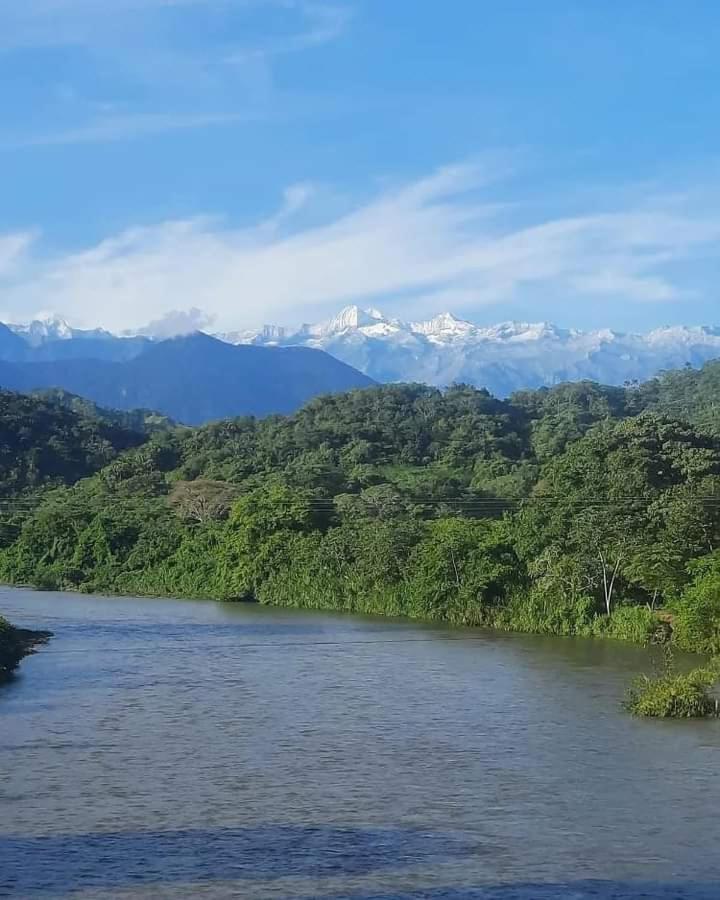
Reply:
x=114 y=349
x=12 y=346
x=192 y=379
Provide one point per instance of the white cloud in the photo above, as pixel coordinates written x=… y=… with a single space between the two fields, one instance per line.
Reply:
x=177 y=322
x=434 y=238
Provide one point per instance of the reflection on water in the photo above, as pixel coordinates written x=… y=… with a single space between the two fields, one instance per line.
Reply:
x=576 y=890
x=187 y=749
x=146 y=857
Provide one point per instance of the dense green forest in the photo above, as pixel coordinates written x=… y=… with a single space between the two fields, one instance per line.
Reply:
x=143 y=421
x=45 y=441
x=579 y=509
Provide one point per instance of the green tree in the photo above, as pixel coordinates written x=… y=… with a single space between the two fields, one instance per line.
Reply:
x=697 y=613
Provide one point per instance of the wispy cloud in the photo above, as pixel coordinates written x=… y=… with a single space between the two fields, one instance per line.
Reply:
x=142 y=67
x=437 y=237
x=13 y=251
x=123 y=127
x=56 y=22
x=321 y=25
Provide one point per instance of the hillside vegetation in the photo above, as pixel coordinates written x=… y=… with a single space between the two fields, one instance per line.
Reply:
x=45 y=442
x=580 y=509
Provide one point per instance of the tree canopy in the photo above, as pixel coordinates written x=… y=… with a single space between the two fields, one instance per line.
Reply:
x=577 y=509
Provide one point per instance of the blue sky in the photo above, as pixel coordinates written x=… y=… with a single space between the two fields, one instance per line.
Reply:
x=274 y=160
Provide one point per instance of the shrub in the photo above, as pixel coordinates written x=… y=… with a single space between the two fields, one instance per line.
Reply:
x=672 y=696
x=541 y=612
x=637 y=624
x=668 y=694
x=696 y=624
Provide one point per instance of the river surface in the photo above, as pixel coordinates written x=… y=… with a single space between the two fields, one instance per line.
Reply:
x=167 y=748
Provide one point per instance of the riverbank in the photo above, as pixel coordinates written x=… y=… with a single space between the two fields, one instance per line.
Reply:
x=666 y=694
x=522 y=614
x=15 y=645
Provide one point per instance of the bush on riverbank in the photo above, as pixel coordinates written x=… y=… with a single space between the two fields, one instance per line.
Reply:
x=669 y=694
x=696 y=620
x=15 y=644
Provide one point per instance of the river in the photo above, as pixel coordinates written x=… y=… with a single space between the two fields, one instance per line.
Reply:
x=168 y=748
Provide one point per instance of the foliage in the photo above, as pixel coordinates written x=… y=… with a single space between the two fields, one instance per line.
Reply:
x=687 y=394
x=141 y=421
x=578 y=509
x=42 y=443
x=672 y=695
x=696 y=620
x=202 y=500
x=637 y=624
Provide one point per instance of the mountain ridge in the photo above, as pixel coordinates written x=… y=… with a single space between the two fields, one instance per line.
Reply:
x=193 y=379
x=439 y=351
x=504 y=357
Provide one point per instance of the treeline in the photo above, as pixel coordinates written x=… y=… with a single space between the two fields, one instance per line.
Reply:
x=580 y=509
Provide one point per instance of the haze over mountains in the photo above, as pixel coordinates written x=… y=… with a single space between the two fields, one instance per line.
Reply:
x=274 y=369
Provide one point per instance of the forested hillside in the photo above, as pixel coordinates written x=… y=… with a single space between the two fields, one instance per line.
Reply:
x=141 y=421
x=46 y=441
x=580 y=509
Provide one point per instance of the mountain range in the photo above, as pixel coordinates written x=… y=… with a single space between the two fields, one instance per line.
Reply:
x=503 y=358
x=200 y=377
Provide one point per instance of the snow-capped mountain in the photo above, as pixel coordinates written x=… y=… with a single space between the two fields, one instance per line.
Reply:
x=504 y=357
x=49 y=338
x=441 y=350
x=48 y=327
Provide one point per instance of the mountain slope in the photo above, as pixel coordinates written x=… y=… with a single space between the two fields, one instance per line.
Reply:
x=194 y=379
x=12 y=347
x=141 y=421
x=113 y=349
x=503 y=358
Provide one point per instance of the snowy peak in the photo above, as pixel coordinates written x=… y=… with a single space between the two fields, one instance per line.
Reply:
x=348 y=319
x=446 y=324
x=504 y=357
x=47 y=327
x=683 y=334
